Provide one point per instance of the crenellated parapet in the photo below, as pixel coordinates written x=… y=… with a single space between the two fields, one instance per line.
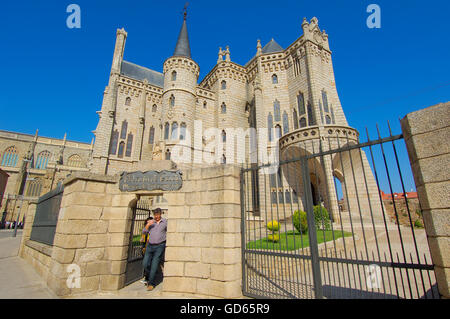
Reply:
x=178 y=62
x=343 y=133
x=225 y=70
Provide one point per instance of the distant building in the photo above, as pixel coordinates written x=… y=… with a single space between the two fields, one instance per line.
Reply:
x=396 y=196
x=35 y=164
x=3 y=181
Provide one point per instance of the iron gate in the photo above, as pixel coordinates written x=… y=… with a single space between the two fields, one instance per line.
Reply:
x=351 y=241
x=134 y=270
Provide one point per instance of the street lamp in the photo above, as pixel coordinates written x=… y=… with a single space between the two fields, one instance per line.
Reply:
x=21 y=198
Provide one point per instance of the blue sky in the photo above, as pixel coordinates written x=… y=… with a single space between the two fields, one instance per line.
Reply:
x=53 y=77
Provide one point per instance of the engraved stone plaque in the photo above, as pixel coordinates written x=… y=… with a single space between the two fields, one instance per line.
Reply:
x=151 y=180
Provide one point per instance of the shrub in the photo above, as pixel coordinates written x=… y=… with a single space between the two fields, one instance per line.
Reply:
x=273 y=237
x=321 y=218
x=273 y=225
x=418 y=223
x=300 y=222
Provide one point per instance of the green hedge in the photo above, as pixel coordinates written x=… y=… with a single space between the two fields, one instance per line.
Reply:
x=300 y=222
x=321 y=218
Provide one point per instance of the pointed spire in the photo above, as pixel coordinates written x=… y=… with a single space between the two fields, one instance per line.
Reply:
x=220 y=58
x=227 y=54
x=182 y=48
x=258 y=47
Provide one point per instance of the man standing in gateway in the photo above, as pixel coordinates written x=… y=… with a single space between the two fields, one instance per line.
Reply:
x=157 y=230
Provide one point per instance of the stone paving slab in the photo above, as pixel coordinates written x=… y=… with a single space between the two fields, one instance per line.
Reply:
x=18 y=279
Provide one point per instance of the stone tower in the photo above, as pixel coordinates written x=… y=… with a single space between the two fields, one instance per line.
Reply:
x=179 y=97
x=107 y=113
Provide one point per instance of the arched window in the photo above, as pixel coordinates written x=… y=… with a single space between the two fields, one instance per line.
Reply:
x=294 y=197
x=223 y=108
x=224 y=159
x=123 y=131
x=332 y=114
x=287 y=196
x=325 y=101
x=114 y=141
x=75 y=161
x=172 y=101
x=174 y=75
x=166 y=131
x=129 y=145
x=10 y=157
x=321 y=112
x=167 y=157
x=151 y=136
x=34 y=188
x=273 y=180
x=269 y=126
x=301 y=104
x=303 y=122
x=128 y=101
x=278 y=131
x=223 y=85
x=224 y=136
x=276 y=110
x=273 y=197
x=154 y=108
x=295 y=117
x=328 y=119
x=274 y=79
x=311 y=120
x=121 y=149
x=204 y=105
x=174 y=134
x=183 y=131
x=285 y=123
x=280 y=197
x=279 y=178
x=42 y=160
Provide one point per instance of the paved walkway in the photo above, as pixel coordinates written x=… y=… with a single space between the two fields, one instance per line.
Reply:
x=18 y=279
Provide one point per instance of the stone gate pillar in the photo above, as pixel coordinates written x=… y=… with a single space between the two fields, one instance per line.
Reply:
x=427 y=135
x=203 y=252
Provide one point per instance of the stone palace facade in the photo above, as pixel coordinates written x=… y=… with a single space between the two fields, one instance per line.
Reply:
x=288 y=94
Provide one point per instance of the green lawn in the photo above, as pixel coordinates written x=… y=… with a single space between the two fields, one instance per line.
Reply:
x=136 y=240
x=286 y=241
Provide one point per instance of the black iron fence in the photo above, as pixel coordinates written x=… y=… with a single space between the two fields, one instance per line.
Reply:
x=323 y=228
x=46 y=217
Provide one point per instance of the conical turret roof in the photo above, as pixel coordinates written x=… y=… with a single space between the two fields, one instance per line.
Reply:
x=183 y=48
x=272 y=47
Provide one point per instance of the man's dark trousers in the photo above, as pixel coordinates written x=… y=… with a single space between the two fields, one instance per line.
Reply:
x=152 y=258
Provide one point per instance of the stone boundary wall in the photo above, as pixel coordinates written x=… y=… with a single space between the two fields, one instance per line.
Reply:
x=203 y=254
x=427 y=135
x=35 y=253
x=92 y=232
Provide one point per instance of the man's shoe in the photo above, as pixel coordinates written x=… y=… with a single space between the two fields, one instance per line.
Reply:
x=150 y=288
x=143 y=281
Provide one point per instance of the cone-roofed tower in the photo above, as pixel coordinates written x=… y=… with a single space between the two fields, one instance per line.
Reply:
x=183 y=48
x=179 y=93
